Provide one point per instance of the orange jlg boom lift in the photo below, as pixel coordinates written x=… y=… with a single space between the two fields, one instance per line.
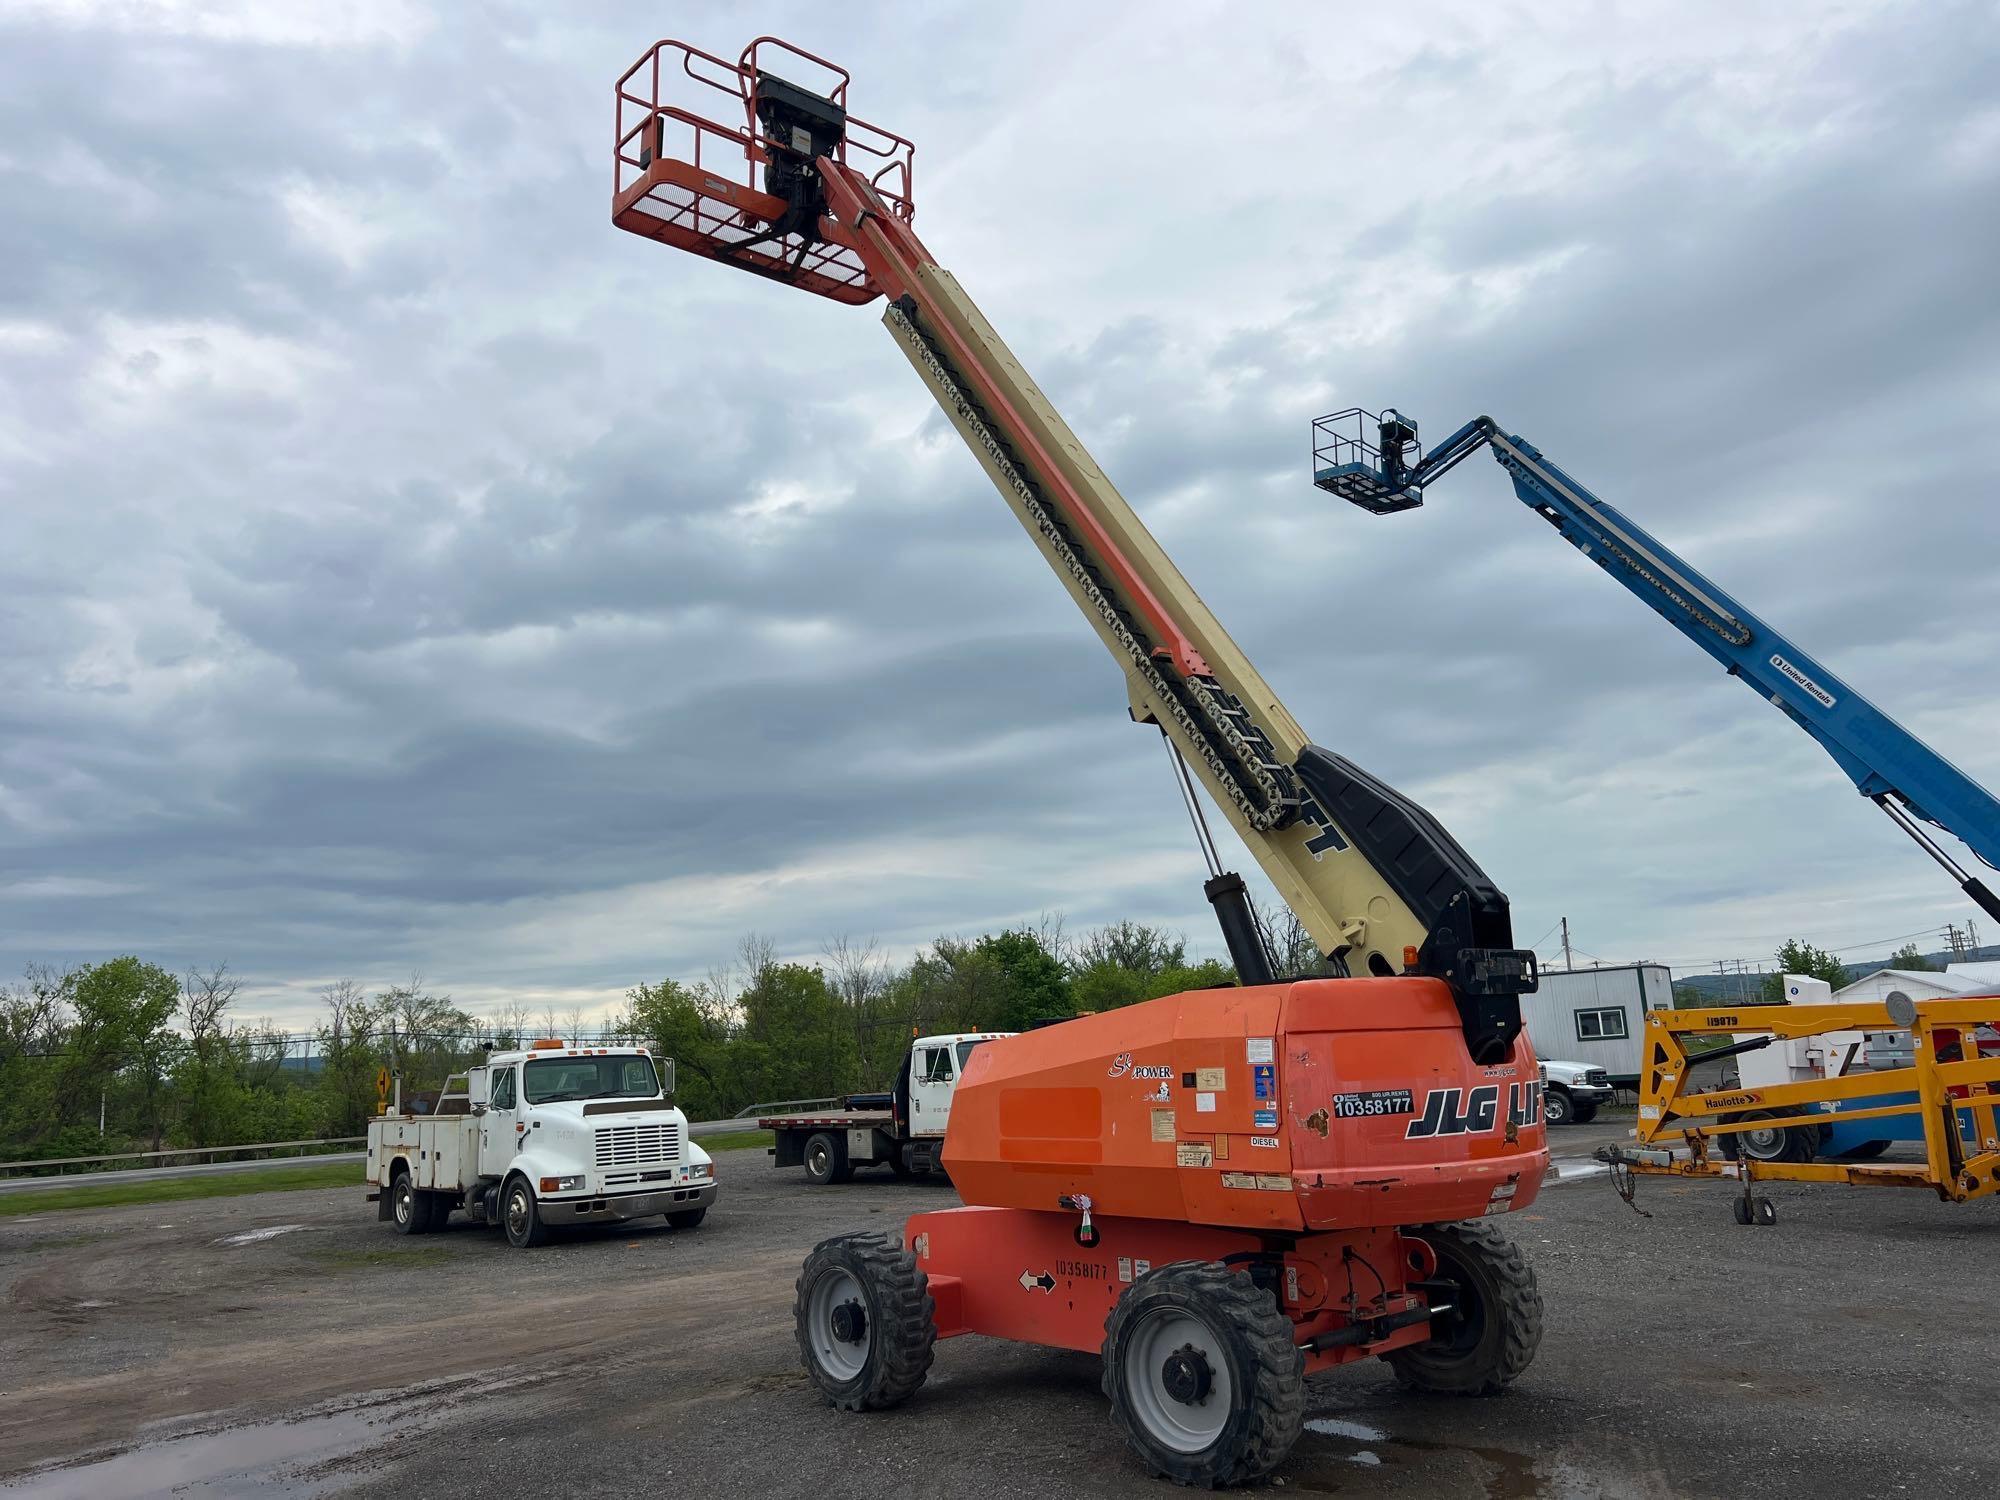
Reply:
x=1221 y=1191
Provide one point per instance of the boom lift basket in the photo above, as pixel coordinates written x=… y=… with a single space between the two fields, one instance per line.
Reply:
x=1347 y=464
x=716 y=158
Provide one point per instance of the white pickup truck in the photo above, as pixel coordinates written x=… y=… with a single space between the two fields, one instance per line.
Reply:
x=1573 y=1092
x=550 y=1135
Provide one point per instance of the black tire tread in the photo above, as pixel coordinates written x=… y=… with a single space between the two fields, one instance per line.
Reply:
x=1277 y=1385
x=902 y=1317
x=538 y=1231
x=1520 y=1310
x=420 y=1205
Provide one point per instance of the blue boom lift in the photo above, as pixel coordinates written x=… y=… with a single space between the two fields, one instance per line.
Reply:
x=1902 y=775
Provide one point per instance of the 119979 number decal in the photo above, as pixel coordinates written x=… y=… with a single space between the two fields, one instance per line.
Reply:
x=1372 y=1102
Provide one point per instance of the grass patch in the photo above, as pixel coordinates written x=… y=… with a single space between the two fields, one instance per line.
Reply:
x=176 y=1189
x=736 y=1140
x=383 y=1255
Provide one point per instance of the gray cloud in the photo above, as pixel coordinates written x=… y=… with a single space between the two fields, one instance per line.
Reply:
x=400 y=568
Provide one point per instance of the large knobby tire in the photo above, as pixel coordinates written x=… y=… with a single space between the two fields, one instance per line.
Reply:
x=519 y=1215
x=1495 y=1327
x=864 y=1319
x=1205 y=1379
x=409 y=1209
x=825 y=1159
x=1557 y=1108
x=1782 y=1144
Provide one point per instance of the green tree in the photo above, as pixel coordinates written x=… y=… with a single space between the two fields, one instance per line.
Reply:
x=1907 y=957
x=35 y=1025
x=1033 y=984
x=690 y=1024
x=349 y=1056
x=122 y=1040
x=1134 y=947
x=1796 y=956
x=795 y=1042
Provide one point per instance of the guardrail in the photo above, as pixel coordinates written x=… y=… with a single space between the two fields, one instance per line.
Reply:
x=208 y=1153
x=779 y=1106
x=81 y=1165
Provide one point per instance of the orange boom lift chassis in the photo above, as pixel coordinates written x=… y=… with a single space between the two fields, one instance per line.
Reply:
x=1220 y=1191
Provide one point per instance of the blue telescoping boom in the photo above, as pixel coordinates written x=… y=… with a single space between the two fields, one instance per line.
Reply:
x=1902 y=775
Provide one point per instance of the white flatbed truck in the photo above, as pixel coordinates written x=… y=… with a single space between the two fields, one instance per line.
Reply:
x=902 y=1130
x=544 y=1136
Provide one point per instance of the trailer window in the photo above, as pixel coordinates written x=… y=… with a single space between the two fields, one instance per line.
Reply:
x=552 y=1078
x=1604 y=1024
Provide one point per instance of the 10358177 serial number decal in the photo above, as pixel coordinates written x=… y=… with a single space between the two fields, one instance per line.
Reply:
x=1372 y=1102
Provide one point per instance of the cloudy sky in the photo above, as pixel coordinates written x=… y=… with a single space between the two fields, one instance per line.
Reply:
x=402 y=570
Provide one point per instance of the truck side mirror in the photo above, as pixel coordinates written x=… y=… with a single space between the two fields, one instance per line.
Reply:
x=476 y=1088
x=666 y=1066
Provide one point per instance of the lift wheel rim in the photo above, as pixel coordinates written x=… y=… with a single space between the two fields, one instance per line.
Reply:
x=838 y=1324
x=1767 y=1144
x=1177 y=1380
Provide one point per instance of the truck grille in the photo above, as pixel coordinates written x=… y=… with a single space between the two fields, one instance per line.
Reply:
x=637 y=1145
x=1597 y=1076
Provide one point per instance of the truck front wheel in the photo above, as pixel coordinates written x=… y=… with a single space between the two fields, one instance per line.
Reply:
x=1557 y=1109
x=826 y=1160
x=518 y=1214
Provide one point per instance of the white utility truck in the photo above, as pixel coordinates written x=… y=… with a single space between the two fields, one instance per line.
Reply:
x=549 y=1135
x=902 y=1130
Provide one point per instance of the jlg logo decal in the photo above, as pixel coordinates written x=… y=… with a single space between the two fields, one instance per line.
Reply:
x=1461 y=1111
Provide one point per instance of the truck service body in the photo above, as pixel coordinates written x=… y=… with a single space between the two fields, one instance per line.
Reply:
x=548 y=1135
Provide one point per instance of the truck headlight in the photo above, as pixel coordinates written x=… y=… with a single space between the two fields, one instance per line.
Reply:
x=702 y=1169
x=563 y=1184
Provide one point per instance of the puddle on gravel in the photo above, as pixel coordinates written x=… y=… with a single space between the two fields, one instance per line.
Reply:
x=1340 y=1427
x=269 y=1458
x=304 y=1455
x=253 y=1236
x=1503 y=1473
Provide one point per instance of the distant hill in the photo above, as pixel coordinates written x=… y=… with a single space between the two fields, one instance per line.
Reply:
x=1724 y=989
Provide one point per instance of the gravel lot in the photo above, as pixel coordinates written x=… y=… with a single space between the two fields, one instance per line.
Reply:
x=288 y=1343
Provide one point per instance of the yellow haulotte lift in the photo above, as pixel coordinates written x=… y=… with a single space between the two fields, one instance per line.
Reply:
x=1947 y=1098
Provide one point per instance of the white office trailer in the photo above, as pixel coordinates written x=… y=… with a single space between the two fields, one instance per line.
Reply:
x=1594 y=1016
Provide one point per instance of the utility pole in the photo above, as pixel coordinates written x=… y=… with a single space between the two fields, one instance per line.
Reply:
x=1972 y=938
x=1567 y=965
x=1955 y=939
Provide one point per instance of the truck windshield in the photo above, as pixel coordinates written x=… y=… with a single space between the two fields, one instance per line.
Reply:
x=965 y=1051
x=546 y=1080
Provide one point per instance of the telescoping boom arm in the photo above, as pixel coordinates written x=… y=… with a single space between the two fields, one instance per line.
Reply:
x=1902 y=775
x=805 y=193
